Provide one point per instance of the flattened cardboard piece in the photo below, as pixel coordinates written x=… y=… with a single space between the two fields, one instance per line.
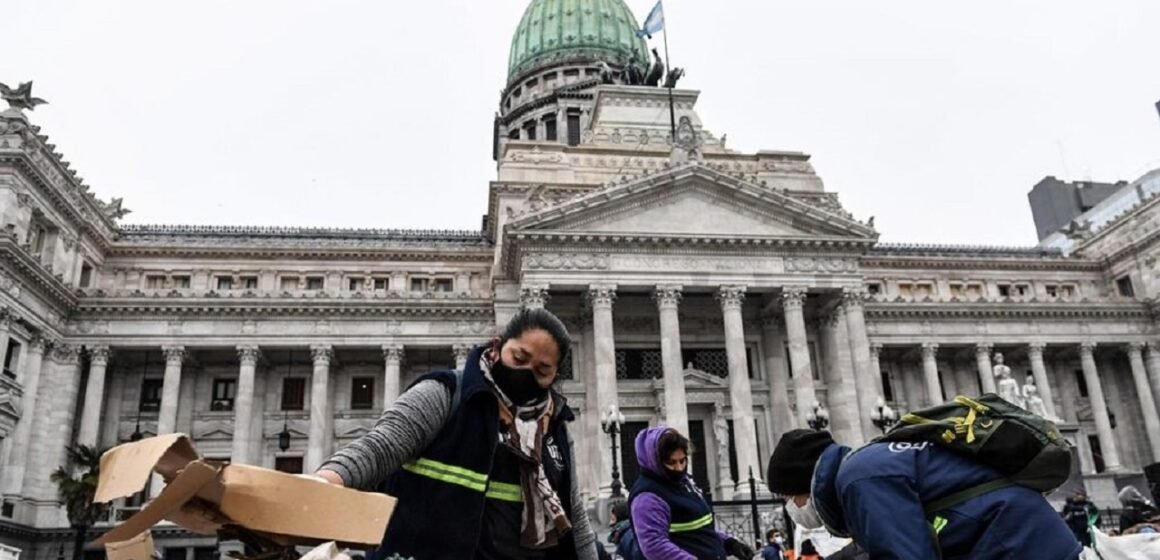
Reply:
x=125 y=469
x=256 y=498
x=137 y=548
x=173 y=497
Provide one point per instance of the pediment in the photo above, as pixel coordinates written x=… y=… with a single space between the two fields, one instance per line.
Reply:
x=697 y=378
x=693 y=200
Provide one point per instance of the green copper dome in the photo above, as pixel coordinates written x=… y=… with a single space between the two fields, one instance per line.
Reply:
x=557 y=30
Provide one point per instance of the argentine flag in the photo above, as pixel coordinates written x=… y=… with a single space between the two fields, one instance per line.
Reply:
x=654 y=22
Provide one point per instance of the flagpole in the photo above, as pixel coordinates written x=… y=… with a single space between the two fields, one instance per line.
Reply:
x=669 y=69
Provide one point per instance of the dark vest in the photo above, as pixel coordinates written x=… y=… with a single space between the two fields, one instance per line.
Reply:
x=691 y=525
x=441 y=493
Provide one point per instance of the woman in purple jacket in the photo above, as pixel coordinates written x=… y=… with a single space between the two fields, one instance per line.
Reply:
x=670 y=516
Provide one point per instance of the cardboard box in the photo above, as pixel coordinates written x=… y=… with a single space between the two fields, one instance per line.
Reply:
x=206 y=497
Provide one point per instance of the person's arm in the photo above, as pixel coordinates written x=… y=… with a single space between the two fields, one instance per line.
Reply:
x=886 y=516
x=650 y=520
x=405 y=428
x=582 y=533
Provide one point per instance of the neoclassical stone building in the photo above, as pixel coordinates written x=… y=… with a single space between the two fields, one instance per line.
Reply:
x=722 y=292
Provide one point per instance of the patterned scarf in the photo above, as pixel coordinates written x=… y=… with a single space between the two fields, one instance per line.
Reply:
x=522 y=430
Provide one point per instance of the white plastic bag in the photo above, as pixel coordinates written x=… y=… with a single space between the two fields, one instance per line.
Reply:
x=1125 y=547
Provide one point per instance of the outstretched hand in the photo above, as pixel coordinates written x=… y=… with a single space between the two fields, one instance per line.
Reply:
x=738 y=549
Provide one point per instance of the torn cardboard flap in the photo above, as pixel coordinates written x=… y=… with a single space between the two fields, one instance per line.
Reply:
x=137 y=548
x=204 y=497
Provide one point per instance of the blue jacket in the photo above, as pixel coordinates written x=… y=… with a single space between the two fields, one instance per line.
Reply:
x=876 y=496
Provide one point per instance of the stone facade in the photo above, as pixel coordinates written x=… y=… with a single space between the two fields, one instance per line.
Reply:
x=723 y=292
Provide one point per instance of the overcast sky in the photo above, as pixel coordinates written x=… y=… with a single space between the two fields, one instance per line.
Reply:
x=935 y=119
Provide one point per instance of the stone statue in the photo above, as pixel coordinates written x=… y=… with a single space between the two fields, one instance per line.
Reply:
x=20 y=97
x=673 y=76
x=656 y=71
x=1034 y=403
x=721 y=431
x=1006 y=385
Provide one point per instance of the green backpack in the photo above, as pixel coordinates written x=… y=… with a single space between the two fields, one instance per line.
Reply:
x=1027 y=449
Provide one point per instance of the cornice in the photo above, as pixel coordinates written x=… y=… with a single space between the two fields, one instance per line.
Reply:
x=973 y=258
x=285 y=307
x=1007 y=310
x=33 y=273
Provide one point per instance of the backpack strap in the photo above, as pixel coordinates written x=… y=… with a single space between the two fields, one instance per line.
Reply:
x=964 y=495
x=457 y=395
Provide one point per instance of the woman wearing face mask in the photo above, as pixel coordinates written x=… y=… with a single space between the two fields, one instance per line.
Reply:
x=480 y=460
x=670 y=516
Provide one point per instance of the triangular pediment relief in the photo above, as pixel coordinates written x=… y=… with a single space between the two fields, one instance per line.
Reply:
x=216 y=430
x=693 y=200
x=697 y=378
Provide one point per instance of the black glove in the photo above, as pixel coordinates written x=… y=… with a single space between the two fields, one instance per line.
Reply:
x=738 y=549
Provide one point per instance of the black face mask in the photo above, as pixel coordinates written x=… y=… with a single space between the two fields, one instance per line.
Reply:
x=675 y=476
x=519 y=384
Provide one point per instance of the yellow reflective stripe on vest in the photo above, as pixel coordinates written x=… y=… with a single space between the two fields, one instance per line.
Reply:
x=450 y=474
x=504 y=492
x=938 y=524
x=692 y=525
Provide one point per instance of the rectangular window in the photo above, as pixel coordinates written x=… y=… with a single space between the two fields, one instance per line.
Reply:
x=550 y=128
x=1097 y=453
x=530 y=130
x=1023 y=290
x=315 y=282
x=7 y=509
x=356 y=284
x=291 y=465
x=1081 y=383
x=181 y=282
x=514 y=133
x=154 y=282
x=289 y=283
x=573 y=126
x=293 y=393
x=1052 y=290
x=418 y=284
x=86 y=275
x=249 y=282
x=150 y=395
x=12 y=358
x=873 y=288
x=1004 y=290
x=381 y=284
x=362 y=393
x=443 y=285
x=225 y=283
x=1124 y=286
x=887 y=387
x=223 y=394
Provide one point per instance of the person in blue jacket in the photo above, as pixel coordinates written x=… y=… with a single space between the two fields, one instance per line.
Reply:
x=877 y=495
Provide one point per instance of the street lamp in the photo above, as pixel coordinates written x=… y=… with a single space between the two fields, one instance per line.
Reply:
x=819 y=417
x=611 y=423
x=883 y=416
x=284 y=435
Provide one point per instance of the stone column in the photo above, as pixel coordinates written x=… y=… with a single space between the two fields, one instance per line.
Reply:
x=534 y=297
x=780 y=415
x=600 y=298
x=461 y=351
x=930 y=373
x=869 y=387
x=13 y=472
x=876 y=367
x=1091 y=376
x=52 y=433
x=1039 y=374
x=1144 y=393
x=793 y=298
x=740 y=392
x=986 y=373
x=170 y=390
x=393 y=356
x=320 y=416
x=668 y=298
x=841 y=388
x=90 y=427
x=243 y=445
x=1152 y=363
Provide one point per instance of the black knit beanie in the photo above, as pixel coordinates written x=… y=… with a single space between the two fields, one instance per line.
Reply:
x=791 y=467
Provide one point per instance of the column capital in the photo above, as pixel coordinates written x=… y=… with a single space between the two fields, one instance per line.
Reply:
x=984 y=349
x=1036 y=347
x=461 y=351
x=248 y=355
x=1087 y=347
x=322 y=354
x=929 y=349
x=173 y=354
x=66 y=353
x=393 y=353
x=534 y=296
x=668 y=296
x=38 y=343
x=731 y=296
x=601 y=295
x=1134 y=347
x=793 y=297
x=7 y=316
x=875 y=350
x=100 y=355
x=854 y=297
